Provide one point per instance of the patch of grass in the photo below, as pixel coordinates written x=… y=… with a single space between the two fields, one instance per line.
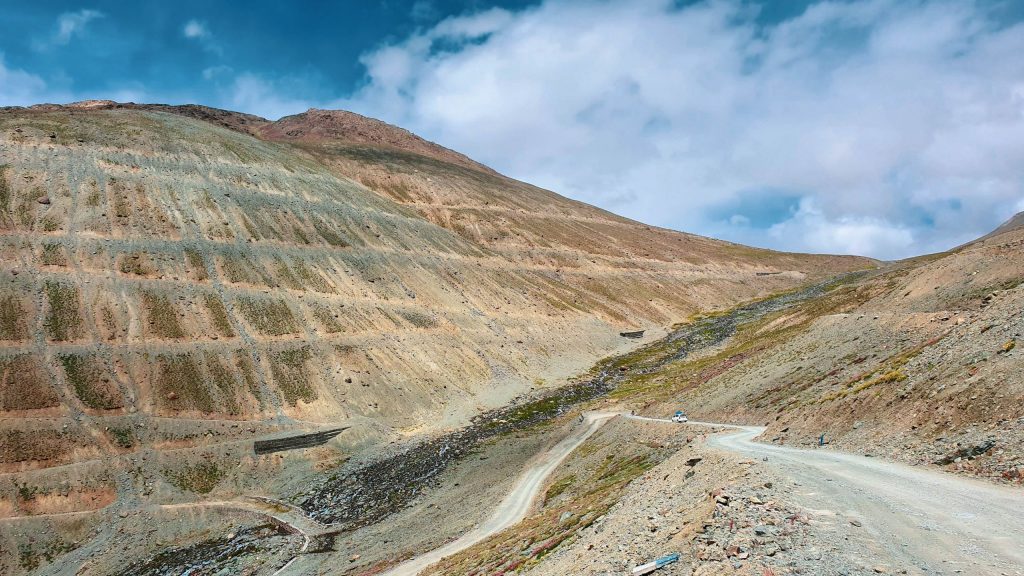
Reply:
x=5 y=190
x=87 y=378
x=224 y=380
x=219 y=315
x=284 y=274
x=63 y=319
x=162 y=315
x=329 y=235
x=558 y=487
x=180 y=383
x=199 y=478
x=245 y=365
x=300 y=234
x=49 y=223
x=24 y=385
x=122 y=437
x=292 y=375
x=135 y=263
x=53 y=255
x=122 y=209
x=326 y=318
x=417 y=319
x=270 y=317
x=312 y=278
x=197 y=263
x=12 y=319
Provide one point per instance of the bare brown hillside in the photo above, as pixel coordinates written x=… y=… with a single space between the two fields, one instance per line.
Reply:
x=176 y=282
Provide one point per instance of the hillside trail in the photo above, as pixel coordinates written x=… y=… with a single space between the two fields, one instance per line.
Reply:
x=517 y=504
x=938 y=522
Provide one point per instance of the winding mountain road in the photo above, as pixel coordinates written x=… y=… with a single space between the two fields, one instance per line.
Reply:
x=516 y=505
x=937 y=522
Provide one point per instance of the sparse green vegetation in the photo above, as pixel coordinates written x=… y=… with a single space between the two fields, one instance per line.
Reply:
x=328 y=234
x=49 y=223
x=326 y=318
x=224 y=381
x=24 y=385
x=300 y=234
x=5 y=190
x=199 y=478
x=87 y=378
x=219 y=315
x=244 y=364
x=163 y=317
x=12 y=319
x=312 y=279
x=53 y=255
x=180 y=383
x=272 y=317
x=197 y=263
x=122 y=209
x=559 y=486
x=292 y=375
x=417 y=318
x=93 y=199
x=284 y=274
x=135 y=263
x=122 y=437
x=63 y=319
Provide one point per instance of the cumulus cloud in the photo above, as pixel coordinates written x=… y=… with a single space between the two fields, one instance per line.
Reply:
x=18 y=87
x=68 y=26
x=195 y=29
x=257 y=95
x=899 y=126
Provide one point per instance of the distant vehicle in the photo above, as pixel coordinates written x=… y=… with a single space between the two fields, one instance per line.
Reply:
x=680 y=417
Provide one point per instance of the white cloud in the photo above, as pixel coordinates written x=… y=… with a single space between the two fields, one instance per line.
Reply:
x=901 y=124
x=69 y=25
x=18 y=87
x=195 y=29
x=254 y=94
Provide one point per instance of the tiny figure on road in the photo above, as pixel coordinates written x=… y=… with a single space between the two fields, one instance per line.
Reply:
x=821 y=439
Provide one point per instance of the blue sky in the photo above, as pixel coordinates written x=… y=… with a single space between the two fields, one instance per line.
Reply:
x=882 y=127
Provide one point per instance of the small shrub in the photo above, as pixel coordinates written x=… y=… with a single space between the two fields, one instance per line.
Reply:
x=1010 y=345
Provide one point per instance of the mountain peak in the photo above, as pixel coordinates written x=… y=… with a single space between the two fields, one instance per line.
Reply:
x=317 y=126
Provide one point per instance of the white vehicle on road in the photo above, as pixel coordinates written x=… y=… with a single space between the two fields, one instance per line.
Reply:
x=679 y=417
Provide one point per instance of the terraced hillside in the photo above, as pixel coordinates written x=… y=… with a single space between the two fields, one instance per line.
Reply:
x=176 y=282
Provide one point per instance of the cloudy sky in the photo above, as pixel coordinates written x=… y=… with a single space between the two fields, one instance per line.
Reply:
x=887 y=128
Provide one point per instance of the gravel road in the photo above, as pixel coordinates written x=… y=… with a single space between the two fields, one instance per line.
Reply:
x=937 y=522
x=517 y=504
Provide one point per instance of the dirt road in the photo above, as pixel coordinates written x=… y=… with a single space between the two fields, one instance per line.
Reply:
x=935 y=521
x=517 y=504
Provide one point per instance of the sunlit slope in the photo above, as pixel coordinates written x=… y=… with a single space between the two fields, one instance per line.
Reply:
x=160 y=272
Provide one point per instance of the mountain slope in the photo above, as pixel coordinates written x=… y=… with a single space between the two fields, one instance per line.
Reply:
x=178 y=281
